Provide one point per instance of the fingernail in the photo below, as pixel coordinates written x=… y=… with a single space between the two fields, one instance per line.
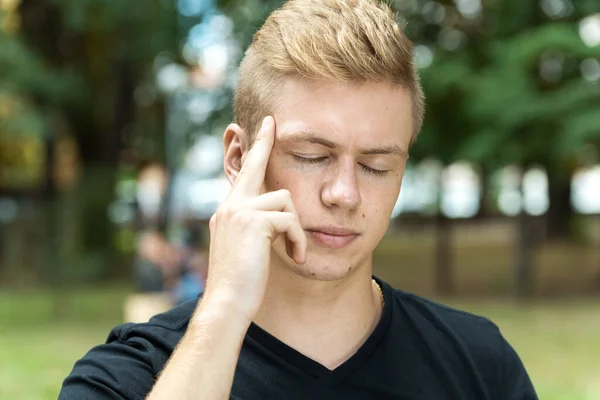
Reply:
x=267 y=122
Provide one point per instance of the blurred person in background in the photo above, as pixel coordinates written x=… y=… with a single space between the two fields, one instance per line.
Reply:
x=292 y=310
x=161 y=264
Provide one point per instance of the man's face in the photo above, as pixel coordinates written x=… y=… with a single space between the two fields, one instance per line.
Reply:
x=341 y=150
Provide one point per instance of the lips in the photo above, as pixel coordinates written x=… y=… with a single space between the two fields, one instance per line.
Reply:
x=333 y=237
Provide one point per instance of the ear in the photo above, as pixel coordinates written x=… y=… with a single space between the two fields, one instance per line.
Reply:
x=235 y=143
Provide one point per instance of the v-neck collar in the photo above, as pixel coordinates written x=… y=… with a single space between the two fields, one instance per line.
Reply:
x=317 y=370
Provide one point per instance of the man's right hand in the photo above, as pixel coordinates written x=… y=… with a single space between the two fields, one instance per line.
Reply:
x=243 y=229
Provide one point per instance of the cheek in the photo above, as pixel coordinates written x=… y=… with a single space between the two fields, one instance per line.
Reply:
x=382 y=198
x=273 y=174
x=280 y=176
x=301 y=186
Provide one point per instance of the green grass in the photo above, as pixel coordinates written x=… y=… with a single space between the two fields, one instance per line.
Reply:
x=42 y=334
x=556 y=335
x=558 y=341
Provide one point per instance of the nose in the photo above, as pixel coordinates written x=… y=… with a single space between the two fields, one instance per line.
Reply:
x=341 y=187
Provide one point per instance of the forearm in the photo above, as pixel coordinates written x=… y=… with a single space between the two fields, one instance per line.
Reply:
x=203 y=364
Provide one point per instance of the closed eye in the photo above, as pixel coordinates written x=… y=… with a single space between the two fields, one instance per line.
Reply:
x=377 y=172
x=309 y=160
x=317 y=160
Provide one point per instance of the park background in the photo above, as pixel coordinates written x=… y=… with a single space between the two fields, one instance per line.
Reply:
x=499 y=212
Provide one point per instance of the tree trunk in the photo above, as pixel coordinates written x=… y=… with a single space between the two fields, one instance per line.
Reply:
x=483 y=211
x=524 y=256
x=101 y=175
x=525 y=245
x=124 y=110
x=2 y=251
x=560 y=212
x=443 y=256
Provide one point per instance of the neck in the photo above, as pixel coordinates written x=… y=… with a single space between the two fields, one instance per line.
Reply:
x=326 y=321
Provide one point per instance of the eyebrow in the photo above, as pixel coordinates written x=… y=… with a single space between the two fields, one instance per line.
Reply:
x=312 y=137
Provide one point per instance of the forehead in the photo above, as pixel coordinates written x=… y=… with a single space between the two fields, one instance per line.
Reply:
x=362 y=114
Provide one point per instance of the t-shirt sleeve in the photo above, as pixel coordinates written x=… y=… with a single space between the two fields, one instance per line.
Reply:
x=125 y=367
x=517 y=384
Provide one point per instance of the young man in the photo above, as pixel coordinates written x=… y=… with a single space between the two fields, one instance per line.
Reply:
x=291 y=310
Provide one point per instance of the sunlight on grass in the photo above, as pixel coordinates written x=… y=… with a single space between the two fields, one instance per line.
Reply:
x=558 y=341
x=34 y=362
x=43 y=334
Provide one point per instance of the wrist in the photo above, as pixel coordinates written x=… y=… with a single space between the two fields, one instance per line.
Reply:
x=220 y=310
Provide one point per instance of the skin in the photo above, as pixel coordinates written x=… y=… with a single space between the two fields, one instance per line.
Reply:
x=347 y=187
x=332 y=155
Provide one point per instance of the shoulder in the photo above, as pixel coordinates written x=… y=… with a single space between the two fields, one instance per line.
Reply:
x=471 y=340
x=126 y=365
x=471 y=327
x=156 y=338
x=163 y=328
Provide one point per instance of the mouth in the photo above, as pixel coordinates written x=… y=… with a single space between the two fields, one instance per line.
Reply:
x=332 y=237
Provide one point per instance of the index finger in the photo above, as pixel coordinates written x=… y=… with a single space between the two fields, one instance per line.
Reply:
x=252 y=173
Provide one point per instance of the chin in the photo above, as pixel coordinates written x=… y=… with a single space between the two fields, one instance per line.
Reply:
x=320 y=272
x=320 y=267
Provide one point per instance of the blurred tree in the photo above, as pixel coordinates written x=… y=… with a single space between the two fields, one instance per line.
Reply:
x=506 y=84
x=507 y=81
x=91 y=62
x=535 y=108
x=87 y=58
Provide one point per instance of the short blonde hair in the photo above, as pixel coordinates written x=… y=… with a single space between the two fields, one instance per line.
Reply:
x=343 y=40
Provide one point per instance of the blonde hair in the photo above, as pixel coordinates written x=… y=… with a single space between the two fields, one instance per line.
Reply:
x=343 y=40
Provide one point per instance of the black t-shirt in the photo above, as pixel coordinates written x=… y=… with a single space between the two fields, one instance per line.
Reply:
x=419 y=350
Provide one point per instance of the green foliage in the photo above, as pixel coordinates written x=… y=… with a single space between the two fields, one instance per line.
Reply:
x=67 y=54
x=22 y=69
x=489 y=102
x=83 y=61
x=522 y=118
x=487 y=99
